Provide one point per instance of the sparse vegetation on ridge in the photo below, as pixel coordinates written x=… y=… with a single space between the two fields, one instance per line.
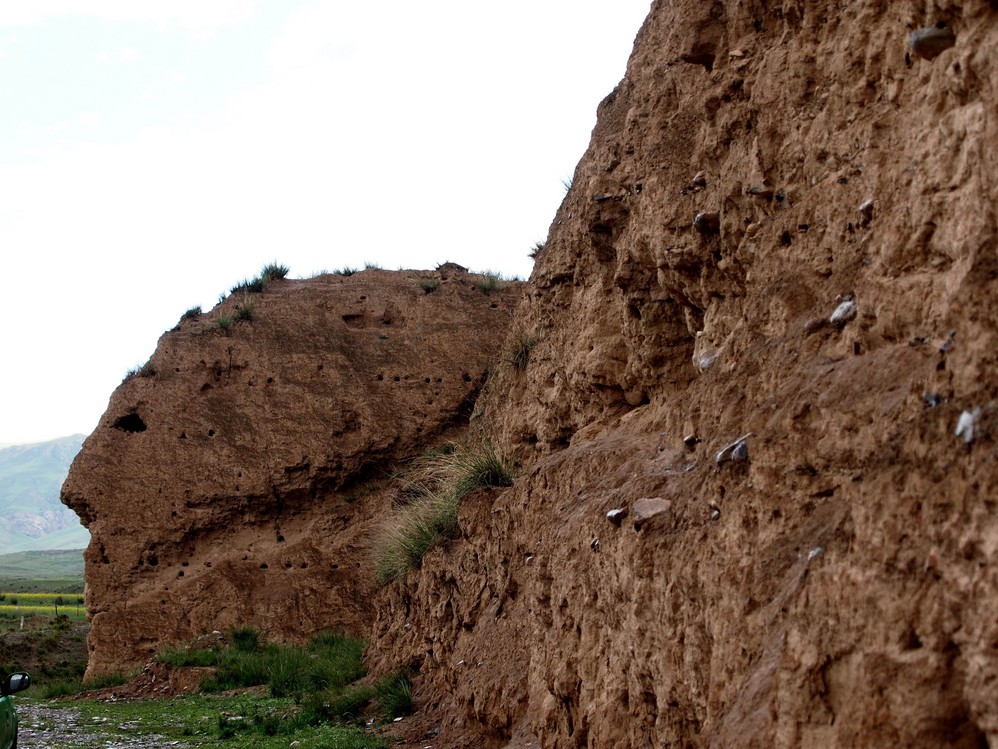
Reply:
x=491 y=281
x=245 y=310
x=429 y=285
x=191 y=313
x=270 y=272
x=140 y=370
x=432 y=496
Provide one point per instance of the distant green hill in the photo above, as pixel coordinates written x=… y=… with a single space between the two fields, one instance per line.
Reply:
x=31 y=515
x=38 y=571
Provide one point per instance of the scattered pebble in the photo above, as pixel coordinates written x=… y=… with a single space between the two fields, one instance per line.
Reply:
x=740 y=451
x=616 y=515
x=736 y=451
x=700 y=179
x=706 y=359
x=932 y=41
x=845 y=312
x=759 y=191
x=966 y=426
x=707 y=224
x=594 y=545
x=815 y=552
x=931 y=561
x=932 y=399
x=866 y=212
x=715 y=514
x=648 y=507
x=815 y=324
x=691 y=441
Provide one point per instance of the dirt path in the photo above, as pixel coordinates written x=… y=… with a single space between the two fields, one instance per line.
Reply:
x=45 y=726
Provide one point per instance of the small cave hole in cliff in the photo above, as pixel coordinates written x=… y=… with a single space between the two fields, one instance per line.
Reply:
x=130 y=423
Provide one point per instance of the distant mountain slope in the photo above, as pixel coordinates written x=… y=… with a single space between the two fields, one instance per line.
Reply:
x=31 y=515
x=41 y=565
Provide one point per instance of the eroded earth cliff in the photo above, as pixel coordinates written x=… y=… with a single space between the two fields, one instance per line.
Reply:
x=831 y=580
x=745 y=516
x=235 y=479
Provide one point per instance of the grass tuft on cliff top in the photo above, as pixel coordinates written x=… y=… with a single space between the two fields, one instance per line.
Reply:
x=269 y=272
x=431 y=495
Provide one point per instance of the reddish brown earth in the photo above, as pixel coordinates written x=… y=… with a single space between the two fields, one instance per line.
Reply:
x=835 y=584
x=235 y=480
x=838 y=588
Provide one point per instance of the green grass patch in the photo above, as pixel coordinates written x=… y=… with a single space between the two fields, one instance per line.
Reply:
x=330 y=661
x=309 y=688
x=214 y=722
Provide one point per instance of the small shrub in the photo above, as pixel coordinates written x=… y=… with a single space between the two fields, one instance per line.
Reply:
x=270 y=272
x=255 y=286
x=491 y=281
x=567 y=184
x=109 y=680
x=274 y=272
x=190 y=314
x=225 y=321
x=371 y=266
x=537 y=249
x=61 y=688
x=479 y=466
x=245 y=311
x=518 y=348
x=333 y=705
x=245 y=639
x=345 y=271
x=140 y=370
x=429 y=285
x=394 y=695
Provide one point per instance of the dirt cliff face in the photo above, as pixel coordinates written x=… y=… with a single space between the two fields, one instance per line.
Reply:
x=234 y=480
x=806 y=553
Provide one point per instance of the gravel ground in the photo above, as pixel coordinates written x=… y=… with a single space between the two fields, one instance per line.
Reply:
x=46 y=726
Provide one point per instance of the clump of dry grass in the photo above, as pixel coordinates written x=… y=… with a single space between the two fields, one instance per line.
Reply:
x=429 y=498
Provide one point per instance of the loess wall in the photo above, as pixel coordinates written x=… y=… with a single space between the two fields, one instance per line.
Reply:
x=238 y=478
x=838 y=586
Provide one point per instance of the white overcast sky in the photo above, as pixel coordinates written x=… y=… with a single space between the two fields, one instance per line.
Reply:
x=152 y=154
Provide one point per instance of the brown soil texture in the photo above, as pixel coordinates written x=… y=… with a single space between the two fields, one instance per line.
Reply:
x=837 y=587
x=235 y=479
x=805 y=553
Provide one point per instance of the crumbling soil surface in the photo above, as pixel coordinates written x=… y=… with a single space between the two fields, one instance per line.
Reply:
x=801 y=384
